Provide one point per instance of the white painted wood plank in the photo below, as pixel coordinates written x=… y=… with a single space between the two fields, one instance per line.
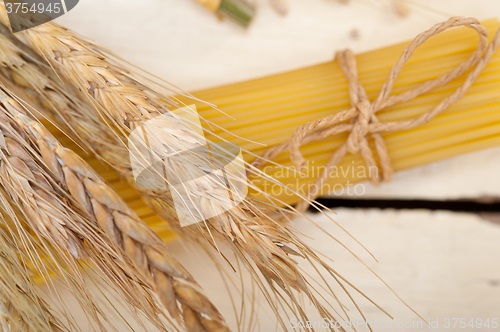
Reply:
x=442 y=264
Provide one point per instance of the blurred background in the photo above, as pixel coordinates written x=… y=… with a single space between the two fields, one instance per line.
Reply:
x=443 y=264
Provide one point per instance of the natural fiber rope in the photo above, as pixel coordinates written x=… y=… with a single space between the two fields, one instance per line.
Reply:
x=363 y=120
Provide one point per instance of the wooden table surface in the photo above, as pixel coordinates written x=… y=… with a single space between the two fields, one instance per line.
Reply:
x=443 y=264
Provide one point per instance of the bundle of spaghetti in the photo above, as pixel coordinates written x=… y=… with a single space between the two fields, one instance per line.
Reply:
x=270 y=109
x=123 y=103
x=22 y=307
x=28 y=150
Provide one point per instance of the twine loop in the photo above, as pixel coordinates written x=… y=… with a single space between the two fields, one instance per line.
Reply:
x=361 y=121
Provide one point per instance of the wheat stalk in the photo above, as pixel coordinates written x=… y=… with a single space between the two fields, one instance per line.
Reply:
x=29 y=197
x=127 y=103
x=25 y=200
x=170 y=280
x=95 y=197
x=138 y=242
x=21 y=305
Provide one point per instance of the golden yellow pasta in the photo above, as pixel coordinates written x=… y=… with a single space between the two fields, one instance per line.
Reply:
x=268 y=110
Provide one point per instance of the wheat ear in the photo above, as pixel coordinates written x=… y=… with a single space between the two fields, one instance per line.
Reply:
x=29 y=75
x=127 y=103
x=171 y=281
x=139 y=243
x=22 y=308
x=31 y=197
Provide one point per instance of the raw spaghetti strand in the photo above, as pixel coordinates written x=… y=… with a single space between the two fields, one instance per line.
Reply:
x=363 y=120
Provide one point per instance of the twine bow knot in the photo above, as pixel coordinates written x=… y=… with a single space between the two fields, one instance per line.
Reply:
x=362 y=114
x=360 y=129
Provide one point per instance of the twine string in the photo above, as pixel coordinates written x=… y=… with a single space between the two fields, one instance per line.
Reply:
x=362 y=114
